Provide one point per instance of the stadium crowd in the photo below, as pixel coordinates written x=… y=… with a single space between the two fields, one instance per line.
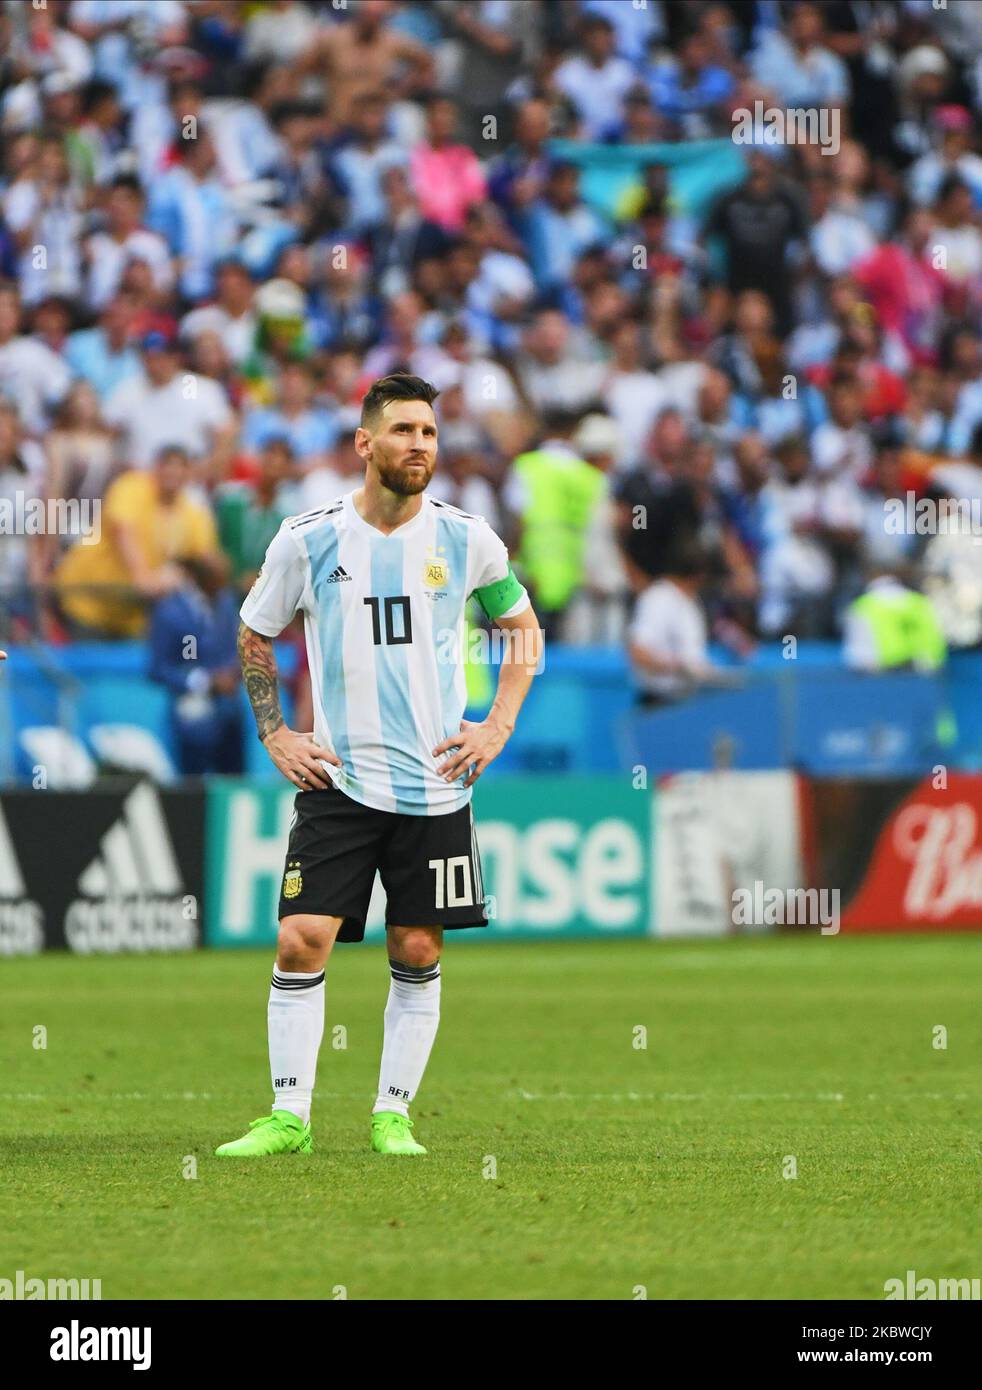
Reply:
x=220 y=220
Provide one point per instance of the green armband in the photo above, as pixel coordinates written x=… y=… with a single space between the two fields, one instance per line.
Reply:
x=498 y=597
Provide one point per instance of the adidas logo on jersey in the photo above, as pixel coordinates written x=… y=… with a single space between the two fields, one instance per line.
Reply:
x=339 y=575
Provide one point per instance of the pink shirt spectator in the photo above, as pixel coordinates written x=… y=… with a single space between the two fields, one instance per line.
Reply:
x=907 y=294
x=447 y=182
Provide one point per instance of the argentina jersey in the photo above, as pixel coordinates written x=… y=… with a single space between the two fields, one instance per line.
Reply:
x=384 y=624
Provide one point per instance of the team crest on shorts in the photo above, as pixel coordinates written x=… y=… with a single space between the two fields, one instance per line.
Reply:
x=292 y=880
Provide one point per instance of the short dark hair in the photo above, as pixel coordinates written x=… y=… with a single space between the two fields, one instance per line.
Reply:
x=129 y=182
x=400 y=386
x=167 y=451
x=283 y=442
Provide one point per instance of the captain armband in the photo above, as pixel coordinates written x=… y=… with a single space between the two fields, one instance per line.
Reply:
x=503 y=594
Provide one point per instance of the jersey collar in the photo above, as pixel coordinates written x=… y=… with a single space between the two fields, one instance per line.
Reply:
x=359 y=523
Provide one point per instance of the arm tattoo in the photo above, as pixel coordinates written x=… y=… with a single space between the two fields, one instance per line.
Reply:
x=259 y=674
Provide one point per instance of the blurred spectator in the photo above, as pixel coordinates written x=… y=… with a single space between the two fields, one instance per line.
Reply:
x=447 y=177
x=518 y=176
x=954 y=156
x=232 y=315
x=363 y=160
x=31 y=375
x=841 y=445
x=164 y=405
x=550 y=373
x=104 y=355
x=554 y=494
x=250 y=514
x=668 y=638
x=310 y=430
x=96 y=143
x=884 y=545
x=149 y=520
x=596 y=82
x=905 y=290
x=21 y=556
x=891 y=627
x=597 y=612
x=41 y=46
x=691 y=91
x=797 y=66
x=557 y=226
x=192 y=212
x=80 y=461
x=306 y=196
x=279 y=32
x=633 y=395
x=402 y=237
x=489 y=41
x=955 y=232
x=757 y=223
x=673 y=501
x=840 y=235
x=366 y=54
x=951 y=565
x=812 y=529
x=42 y=209
x=192 y=648
x=125 y=239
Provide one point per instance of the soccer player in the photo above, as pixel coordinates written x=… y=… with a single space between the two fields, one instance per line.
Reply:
x=382 y=576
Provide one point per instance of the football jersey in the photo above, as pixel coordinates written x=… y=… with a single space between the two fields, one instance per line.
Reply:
x=384 y=625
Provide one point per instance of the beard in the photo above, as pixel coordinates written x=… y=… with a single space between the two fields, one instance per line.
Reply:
x=402 y=480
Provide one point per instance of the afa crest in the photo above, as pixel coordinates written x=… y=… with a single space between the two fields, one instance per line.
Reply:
x=292 y=880
x=436 y=573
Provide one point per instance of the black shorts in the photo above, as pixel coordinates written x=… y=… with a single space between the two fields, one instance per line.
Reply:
x=430 y=865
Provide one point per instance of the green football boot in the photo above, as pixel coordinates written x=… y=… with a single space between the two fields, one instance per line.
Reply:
x=391 y=1134
x=279 y=1133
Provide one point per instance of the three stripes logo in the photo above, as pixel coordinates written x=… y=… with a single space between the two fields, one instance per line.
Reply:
x=339 y=576
x=21 y=918
x=132 y=891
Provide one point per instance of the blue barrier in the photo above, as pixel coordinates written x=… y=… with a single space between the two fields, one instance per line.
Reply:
x=581 y=714
x=91 y=683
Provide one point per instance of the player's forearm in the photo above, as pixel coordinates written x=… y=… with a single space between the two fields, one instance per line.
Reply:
x=518 y=666
x=259 y=675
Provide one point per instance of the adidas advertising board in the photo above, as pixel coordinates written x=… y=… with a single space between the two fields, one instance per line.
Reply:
x=101 y=871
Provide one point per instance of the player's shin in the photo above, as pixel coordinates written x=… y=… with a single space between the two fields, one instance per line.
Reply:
x=412 y=1016
x=296 y=1026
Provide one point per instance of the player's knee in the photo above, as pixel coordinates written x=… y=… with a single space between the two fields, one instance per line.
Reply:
x=415 y=946
x=303 y=940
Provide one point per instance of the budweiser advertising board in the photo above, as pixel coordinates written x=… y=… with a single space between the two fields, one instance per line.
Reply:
x=905 y=855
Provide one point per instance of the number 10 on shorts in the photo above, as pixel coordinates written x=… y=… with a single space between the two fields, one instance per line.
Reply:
x=451 y=890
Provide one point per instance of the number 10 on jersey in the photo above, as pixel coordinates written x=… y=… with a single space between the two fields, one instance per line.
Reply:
x=404 y=623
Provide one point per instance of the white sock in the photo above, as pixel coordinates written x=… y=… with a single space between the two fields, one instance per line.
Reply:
x=412 y=1016
x=295 y=1018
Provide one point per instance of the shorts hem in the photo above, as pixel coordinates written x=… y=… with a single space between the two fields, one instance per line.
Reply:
x=444 y=926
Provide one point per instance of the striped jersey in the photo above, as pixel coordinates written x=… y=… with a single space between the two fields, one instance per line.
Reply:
x=384 y=625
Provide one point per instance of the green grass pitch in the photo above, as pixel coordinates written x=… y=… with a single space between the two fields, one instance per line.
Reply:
x=616 y=1167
